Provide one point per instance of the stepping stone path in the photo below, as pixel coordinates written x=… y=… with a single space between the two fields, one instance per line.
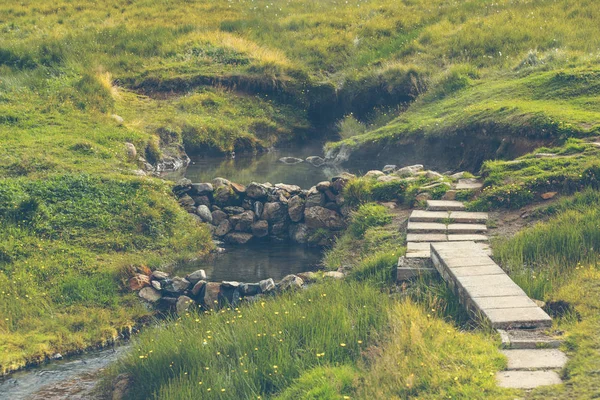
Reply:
x=453 y=242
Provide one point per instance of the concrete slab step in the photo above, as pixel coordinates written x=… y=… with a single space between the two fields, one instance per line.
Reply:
x=445 y=205
x=513 y=318
x=534 y=359
x=425 y=227
x=408 y=273
x=429 y=216
x=426 y=237
x=527 y=379
x=466 y=228
x=527 y=339
x=470 y=237
x=467 y=217
x=468 y=184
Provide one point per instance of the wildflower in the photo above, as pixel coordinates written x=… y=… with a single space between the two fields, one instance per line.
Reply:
x=343 y=344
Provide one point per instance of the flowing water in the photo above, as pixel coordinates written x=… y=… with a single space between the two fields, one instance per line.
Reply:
x=73 y=379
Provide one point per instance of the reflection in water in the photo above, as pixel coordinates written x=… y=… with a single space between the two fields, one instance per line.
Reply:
x=253 y=262
x=74 y=378
x=260 y=168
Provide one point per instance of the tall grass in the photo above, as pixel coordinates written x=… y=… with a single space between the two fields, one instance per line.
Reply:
x=259 y=349
x=540 y=258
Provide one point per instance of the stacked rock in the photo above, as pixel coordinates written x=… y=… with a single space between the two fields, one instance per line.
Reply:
x=239 y=213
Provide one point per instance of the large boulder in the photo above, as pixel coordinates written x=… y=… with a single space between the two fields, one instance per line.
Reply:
x=196 y=276
x=296 y=208
x=410 y=170
x=218 y=216
x=250 y=289
x=159 y=275
x=314 y=198
x=184 y=303
x=139 y=281
x=338 y=183
x=280 y=229
x=260 y=228
x=204 y=213
x=212 y=294
x=274 y=212
x=320 y=217
x=238 y=237
x=150 y=294
x=290 y=282
x=323 y=186
x=244 y=221
x=256 y=191
x=177 y=285
x=291 y=189
x=202 y=189
x=224 y=228
x=198 y=288
x=266 y=285
x=225 y=196
x=187 y=203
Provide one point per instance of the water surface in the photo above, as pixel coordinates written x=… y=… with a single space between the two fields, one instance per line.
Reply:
x=256 y=261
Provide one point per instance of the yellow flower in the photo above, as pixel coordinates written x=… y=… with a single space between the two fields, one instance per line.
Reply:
x=343 y=344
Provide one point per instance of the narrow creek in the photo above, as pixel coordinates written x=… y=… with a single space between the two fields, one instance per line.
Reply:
x=76 y=377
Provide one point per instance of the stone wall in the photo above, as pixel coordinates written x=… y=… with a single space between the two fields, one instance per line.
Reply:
x=239 y=214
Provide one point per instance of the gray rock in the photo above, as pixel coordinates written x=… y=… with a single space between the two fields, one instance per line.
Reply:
x=274 y=212
x=234 y=210
x=230 y=284
x=201 y=200
x=131 y=151
x=159 y=275
x=423 y=196
x=196 y=276
x=184 y=303
x=410 y=170
x=256 y=191
x=218 y=216
x=220 y=182
x=291 y=189
x=338 y=183
x=238 y=188
x=458 y=175
x=374 y=174
x=225 y=196
x=320 y=217
x=250 y=289
x=118 y=119
x=177 y=285
x=244 y=221
x=258 y=209
x=212 y=294
x=315 y=161
x=150 y=294
x=247 y=204
x=290 y=160
x=433 y=175
x=224 y=228
x=187 y=203
x=296 y=208
x=266 y=285
x=450 y=195
x=156 y=285
x=202 y=189
x=299 y=233
x=290 y=282
x=388 y=169
x=198 y=287
x=204 y=213
x=323 y=186
x=314 y=199
x=260 y=228
x=334 y=274
x=238 y=237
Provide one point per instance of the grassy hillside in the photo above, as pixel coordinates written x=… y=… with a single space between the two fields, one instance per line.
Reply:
x=220 y=76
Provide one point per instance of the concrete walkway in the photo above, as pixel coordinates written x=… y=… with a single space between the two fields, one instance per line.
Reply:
x=448 y=240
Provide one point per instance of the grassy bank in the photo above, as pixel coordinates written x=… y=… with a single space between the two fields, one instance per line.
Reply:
x=67 y=246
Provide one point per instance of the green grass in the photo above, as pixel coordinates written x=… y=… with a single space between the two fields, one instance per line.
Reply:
x=62 y=276
x=367 y=216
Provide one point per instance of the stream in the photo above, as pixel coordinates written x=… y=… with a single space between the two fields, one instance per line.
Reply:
x=76 y=377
